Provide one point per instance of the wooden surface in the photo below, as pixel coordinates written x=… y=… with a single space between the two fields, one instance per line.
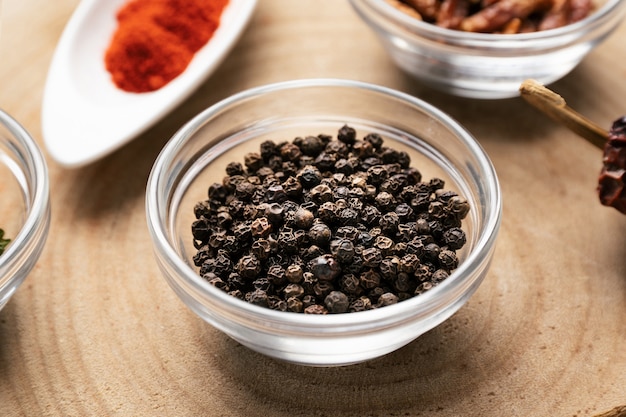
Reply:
x=95 y=330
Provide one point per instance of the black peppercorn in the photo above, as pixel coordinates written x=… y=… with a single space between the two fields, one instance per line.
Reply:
x=311 y=252
x=389 y=267
x=274 y=213
x=372 y=257
x=336 y=302
x=262 y=284
x=342 y=250
x=321 y=193
x=201 y=230
x=360 y=304
x=295 y=305
x=374 y=139
x=234 y=168
x=309 y=176
x=448 y=259
x=369 y=279
x=388 y=223
x=303 y=218
x=253 y=161
x=431 y=251
x=423 y=287
x=290 y=152
x=276 y=194
x=349 y=283
x=325 y=161
x=293 y=291
x=276 y=275
x=328 y=212
x=325 y=267
x=311 y=145
x=403 y=282
x=257 y=297
x=249 y=266
x=348 y=217
x=454 y=238
x=384 y=201
x=261 y=227
x=387 y=299
x=384 y=244
x=315 y=309
x=319 y=226
x=347 y=135
x=261 y=249
x=320 y=234
x=439 y=275
x=294 y=273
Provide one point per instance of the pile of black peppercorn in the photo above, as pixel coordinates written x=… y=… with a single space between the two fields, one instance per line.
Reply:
x=322 y=225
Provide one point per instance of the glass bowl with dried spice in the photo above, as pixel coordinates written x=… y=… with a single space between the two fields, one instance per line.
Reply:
x=311 y=234
x=488 y=53
x=24 y=206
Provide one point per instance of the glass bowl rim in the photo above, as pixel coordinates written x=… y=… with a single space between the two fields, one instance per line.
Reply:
x=407 y=308
x=489 y=40
x=36 y=172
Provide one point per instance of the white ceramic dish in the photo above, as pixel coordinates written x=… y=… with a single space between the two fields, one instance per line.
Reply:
x=84 y=115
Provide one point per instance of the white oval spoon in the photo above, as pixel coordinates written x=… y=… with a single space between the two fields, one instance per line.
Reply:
x=84 y=115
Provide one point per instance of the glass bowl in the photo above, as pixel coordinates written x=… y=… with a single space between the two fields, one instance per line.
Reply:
x=483 y=65
x=24 y=206
x=197 y=155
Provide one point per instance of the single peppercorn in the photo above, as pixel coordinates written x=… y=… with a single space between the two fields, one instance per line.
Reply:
x=295 y=305
x=257 y=297
x=372 y=257
x=347 y=134
x=360 y=304
x=315 y=309
x=349 y=283
x=320 y=234
x=293 y=290
x=387 y=299
x=336 y=302
x=274 y=213
x=325 y=267
x=249 y=266
x=342 y=250
x=454 y=238
x=303 y=218
x=369 y=279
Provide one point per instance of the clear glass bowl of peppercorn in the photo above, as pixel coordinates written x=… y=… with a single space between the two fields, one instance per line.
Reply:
x=24 y=206
x=323 y=222
x=486 y=49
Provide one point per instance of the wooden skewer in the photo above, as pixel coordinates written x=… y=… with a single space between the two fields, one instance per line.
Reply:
x=555 y=107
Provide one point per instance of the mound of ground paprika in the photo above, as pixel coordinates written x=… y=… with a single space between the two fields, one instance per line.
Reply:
x=156 y=40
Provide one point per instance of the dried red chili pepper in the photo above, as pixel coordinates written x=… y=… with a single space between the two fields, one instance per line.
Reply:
x=611 y=188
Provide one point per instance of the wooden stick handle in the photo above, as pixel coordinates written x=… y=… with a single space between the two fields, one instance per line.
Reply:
x=555 y=107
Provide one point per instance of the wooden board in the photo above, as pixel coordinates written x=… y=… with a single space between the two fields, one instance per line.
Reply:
x=95 y=330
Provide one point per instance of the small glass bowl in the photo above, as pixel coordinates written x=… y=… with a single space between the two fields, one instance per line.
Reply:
x=197 y=155
x=483 y=65
x=24 y=206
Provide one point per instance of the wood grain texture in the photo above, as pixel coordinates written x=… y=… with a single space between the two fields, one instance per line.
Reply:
x=96 y=331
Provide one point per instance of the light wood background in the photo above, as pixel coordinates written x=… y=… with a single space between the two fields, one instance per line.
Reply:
x=95 y=330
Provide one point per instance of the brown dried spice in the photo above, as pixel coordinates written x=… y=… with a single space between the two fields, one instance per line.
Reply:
x=496 y=16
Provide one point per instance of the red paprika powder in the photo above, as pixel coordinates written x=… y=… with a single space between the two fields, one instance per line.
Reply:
x=156 y=40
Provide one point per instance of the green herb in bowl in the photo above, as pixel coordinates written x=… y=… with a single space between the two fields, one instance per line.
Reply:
x=3 y=242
